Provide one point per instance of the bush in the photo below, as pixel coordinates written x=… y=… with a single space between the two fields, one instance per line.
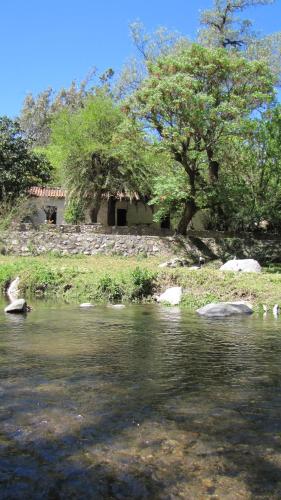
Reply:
x=110 y=288
x=142 y=283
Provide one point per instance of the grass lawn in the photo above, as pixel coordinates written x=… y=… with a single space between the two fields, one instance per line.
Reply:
x=103 y=278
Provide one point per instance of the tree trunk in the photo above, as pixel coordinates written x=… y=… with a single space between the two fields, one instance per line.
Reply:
x=213 y=167
x=95 y=206
x=189 y=211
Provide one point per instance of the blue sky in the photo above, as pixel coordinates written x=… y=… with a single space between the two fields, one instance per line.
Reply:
x=49 y=43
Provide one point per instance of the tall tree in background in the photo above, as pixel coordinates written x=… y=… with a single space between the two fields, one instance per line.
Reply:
x=149 y=46
x=192 y=100
x=224 y=27
x=19 y=167
x=37 y=112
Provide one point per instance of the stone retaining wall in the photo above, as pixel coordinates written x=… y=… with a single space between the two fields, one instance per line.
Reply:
x=23 y=240
x=72 y=240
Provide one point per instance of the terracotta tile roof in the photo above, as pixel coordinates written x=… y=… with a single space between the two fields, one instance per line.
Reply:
x=46 y=192
x=49 y=192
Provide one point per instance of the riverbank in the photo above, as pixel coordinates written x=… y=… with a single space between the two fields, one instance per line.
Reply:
x=134 y=279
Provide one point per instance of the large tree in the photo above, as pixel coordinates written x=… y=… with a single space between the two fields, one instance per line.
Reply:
x=194 y=99
x=19 y=167
x=99 y=151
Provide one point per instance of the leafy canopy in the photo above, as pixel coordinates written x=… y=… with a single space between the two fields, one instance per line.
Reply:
x=98 y=151
x=19 y=167
x=193 y=100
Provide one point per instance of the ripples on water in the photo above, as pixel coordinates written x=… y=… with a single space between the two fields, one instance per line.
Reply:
x=143 y=402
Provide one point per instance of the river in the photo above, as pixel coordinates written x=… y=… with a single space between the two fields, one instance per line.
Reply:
x=141 y=402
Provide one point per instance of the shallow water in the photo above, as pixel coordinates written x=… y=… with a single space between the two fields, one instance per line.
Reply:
x=141 y=402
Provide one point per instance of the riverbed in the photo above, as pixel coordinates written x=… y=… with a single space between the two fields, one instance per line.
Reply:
x=141 y=402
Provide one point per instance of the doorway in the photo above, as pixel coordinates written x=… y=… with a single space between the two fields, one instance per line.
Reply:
x=121 y=217
x=111 y=212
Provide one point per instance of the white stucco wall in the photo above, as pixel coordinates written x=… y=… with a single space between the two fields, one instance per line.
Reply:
x=38 y=216
x=102 y=215
x=137 y=212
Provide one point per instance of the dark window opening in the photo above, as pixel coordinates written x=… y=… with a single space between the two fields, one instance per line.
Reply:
x=121 y=217
x=166 y=222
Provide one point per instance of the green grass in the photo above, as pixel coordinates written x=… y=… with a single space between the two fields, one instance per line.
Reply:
x=120 y=279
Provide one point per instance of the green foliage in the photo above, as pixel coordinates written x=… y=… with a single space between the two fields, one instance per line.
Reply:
x=37 y=111
x=110 y=288
x=249 y=189
x=19 y=168
x=192 y=101
x=74 y=212
x=13 y=211
x=143 y=282
x=134 y=287
x=99 y=151
x=170 y=190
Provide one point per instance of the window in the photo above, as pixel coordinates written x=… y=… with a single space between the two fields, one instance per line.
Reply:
x=51 y=214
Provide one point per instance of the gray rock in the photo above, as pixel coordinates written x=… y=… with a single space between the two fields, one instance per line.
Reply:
x=224 y=309
x=17 y=307
x=171 y=296
x=242 y=265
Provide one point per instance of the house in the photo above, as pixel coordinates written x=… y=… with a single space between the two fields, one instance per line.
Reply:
x=47 y=205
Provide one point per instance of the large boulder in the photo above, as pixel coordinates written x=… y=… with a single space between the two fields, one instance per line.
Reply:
x=17 y=307
x=242 y=265
x=171 y=296
x=224 y=309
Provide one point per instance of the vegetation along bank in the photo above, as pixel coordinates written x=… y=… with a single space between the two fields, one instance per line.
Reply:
x=103 y=279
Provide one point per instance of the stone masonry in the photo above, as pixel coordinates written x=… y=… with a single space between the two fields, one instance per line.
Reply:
x=24 y=239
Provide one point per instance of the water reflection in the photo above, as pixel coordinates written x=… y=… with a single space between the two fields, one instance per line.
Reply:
x=143 y=402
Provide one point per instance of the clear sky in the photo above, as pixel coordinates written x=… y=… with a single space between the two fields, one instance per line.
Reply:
x=50 y=43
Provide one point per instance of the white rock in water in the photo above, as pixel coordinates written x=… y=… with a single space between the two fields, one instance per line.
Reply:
x=172 y=296
x=242 y=265
x=224 y=309
x=86 y=304
x=13 y=290
x=18 y=306
x=117 y=306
